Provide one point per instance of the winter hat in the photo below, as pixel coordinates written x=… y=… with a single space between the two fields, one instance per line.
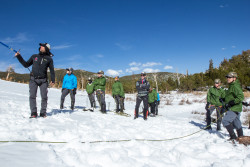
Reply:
x=100 y=72
x=217 y=81
x=89 y=79
x=47 y=48
x=232 y=75
x=143 y=74
x=70 y=69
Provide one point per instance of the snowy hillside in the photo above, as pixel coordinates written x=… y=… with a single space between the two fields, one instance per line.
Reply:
x=75 y=127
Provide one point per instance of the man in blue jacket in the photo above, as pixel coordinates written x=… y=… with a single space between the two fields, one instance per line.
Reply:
x=69 y=86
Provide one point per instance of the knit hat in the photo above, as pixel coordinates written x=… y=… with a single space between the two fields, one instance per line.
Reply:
x=47 y=48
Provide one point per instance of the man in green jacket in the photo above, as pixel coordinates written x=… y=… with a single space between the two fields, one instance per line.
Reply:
x=99 y=86
x=213 y=102
x=152 y=100
x=118 y=94
x=233 y=104
x=91 y=93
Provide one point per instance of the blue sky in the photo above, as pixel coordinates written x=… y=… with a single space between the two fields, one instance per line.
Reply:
x=122 y=37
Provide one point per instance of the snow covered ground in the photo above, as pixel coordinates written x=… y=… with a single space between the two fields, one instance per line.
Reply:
x=74 y=127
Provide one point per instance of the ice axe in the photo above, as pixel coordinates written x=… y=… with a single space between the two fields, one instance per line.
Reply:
x=10 y=48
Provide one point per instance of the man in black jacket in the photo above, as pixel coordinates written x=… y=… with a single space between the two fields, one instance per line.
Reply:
x=38 y=77
x=142 y=87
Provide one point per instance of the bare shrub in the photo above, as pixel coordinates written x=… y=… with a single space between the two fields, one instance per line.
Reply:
x=188 y=102
x=129 y=99
x=197 y=112
x=196 y=101
x=245 y=109
x=182 y=102
x=169 y=101
x=247 y=120
x=247 y=94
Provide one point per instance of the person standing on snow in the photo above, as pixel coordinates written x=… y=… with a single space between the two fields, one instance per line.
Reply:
x=233 y=104
x=152 y=100
x=91 y=93
x=142 y=87
x=69 y=87
x=38 y=77
x=99 y=86
x=213 y=102
x=118 y=94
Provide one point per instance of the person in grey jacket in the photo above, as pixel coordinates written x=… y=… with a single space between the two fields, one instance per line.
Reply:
x=142 y=87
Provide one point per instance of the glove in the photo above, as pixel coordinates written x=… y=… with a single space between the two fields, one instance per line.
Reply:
x=231 y=103
x=207 y=106
x=245 y=104
x=222 y=100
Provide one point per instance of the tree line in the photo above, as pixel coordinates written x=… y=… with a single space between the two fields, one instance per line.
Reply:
x=165 y=81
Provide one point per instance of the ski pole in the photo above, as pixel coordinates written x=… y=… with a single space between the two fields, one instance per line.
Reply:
x=11 y=49
x=8 y=47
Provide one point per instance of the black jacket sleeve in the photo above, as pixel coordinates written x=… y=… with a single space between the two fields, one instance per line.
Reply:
x=52 y=71
x=23 y=62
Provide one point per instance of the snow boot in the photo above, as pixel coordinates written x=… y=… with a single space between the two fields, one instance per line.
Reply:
x=33 y=115
x=230 y=130
x=240 y=132
x=44 y=115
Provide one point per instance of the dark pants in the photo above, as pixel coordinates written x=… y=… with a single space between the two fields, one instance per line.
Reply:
x=92 y=99
x=153 y=107
x=219 y=112
x=65 y=92
x=119 y=103
x=156 y=107
x=43 y=85
x=100 y=95
x=139 y=99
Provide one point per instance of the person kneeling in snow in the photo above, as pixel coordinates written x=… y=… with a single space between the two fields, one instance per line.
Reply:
x=69 y=86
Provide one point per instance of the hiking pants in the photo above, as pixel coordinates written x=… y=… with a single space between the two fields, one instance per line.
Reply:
x=119 y=102
x=219 y=114
x=92 y=99
x=65 y=92
x=232 y=118
x=43 y=85
x=139 y=99
x=100 y=95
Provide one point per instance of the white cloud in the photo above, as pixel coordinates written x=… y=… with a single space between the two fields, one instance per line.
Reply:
x=132 y=69
x=150 y=70
x=151 y=64
x=223 y=48
x=21 y=37
x=99 y=56
x=134 y=64
x=233 y=46
x=123 y=47
x=61 y=47
x=113 y=72
x=168 y=67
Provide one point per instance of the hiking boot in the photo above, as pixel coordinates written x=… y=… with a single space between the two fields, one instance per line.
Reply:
x=230 y=130
x=240 y=132
x=33 y=115
x=44 y=115
x=136 y=116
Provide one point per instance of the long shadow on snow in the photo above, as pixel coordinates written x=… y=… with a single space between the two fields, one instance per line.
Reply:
x=201 y=126
x=59 y=111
